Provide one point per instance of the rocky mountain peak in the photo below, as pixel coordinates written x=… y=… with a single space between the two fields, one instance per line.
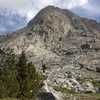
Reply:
x=61 y=20
x=49 y=13
x=53 y=19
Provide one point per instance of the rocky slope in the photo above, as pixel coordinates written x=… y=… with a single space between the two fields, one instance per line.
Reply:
x=67 y=44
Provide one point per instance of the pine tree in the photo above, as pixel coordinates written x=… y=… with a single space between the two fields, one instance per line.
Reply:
x=22 y=73
x=29 y=80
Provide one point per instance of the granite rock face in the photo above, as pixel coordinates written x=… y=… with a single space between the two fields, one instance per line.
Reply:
x=67 y=44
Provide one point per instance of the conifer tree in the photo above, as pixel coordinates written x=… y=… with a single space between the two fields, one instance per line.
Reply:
x=22 y=73
x=29 y=80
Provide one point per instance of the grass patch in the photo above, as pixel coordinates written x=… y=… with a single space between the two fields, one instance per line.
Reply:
x=64 y=90
x=96 y=83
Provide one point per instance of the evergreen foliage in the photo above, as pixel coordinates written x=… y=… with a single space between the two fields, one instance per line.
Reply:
x=18 y=77
x=8 y=82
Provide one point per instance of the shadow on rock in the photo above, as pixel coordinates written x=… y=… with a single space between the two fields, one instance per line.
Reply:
x=46 y=96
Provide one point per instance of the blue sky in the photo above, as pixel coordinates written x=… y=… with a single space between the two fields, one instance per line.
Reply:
x=29 y=8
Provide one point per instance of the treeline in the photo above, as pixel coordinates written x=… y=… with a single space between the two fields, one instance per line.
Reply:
x=18 y=76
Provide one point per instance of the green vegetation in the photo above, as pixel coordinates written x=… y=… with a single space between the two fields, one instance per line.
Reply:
x=96 y=83
x=64 y=90
x=8 y=82
x=71 y=94
x=82 y=97
x=29 y=80
x=18 y=76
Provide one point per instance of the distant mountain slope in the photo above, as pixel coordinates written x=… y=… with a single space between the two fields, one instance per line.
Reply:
x=11 y=20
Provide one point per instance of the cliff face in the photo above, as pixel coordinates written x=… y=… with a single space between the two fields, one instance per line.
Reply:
x=67 y=44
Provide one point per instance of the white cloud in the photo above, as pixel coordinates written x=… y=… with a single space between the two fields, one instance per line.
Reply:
x=69 y=4
x=31 y=7
x=62 y=3
x=72 y=3
x=92 y=9
x=16 y=4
